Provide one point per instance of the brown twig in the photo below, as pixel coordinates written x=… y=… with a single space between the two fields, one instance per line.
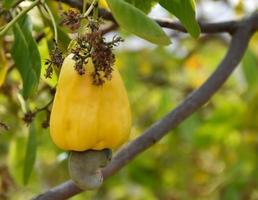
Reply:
x=45 y=107
x=29 y=116
x=240 y=39
x=228 y=27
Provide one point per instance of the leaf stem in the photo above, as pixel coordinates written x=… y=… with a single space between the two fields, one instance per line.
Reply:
x=52 y=20
x=90 y=8
x=44 y=107
x=16 y=18
x=2 y=27
x=84 y=6
x=96 y=11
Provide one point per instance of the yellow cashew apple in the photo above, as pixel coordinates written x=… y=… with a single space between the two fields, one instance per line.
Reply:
x=103 y=4
x=86 y=116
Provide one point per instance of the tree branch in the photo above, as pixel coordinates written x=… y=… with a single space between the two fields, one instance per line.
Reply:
x=208 y=28
x=228 y=27
x=240 y=39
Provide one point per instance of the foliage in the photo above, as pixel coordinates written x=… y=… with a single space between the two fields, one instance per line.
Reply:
x=135 y=21
x=184 y=10
x=26 y=56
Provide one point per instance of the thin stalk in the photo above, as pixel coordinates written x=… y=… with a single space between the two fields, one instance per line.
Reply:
x=92 y=5
x=52 y=20
x=2 y=27
x=96 y=11
x=84 y=6
x=43 y=12
x=16 y=18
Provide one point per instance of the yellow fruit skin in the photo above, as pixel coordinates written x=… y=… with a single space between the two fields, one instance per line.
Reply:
x=103 y=4
x=85 y=116
x=3 y=66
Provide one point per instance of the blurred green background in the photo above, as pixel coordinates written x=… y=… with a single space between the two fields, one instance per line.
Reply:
x=212 y=155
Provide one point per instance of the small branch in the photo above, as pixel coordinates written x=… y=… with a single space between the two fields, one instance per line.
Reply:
x=52 y=20
x=29 y=116
x=237 y=48
x=228 y=27
x=45 y=107
x=60 y=192
x=84 y=6
x=90 y=9
x=16 y=18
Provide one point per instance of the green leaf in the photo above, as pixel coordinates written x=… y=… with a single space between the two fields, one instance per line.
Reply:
x=7 y=4
x=15 y=160
x=135 y=21
x=184 y=10
x=31 y=152
x=250 y=69
x=63 y=39
x=26 y=56
x=144 y=5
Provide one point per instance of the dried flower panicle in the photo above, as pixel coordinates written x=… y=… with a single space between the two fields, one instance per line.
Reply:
x=28 y=117
x=115 y=41
x=45 y=123
x=71 y=19
x=56 y=59
x=81 y=55
x=49 y=69
x=93 y=45
x=79 y=66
